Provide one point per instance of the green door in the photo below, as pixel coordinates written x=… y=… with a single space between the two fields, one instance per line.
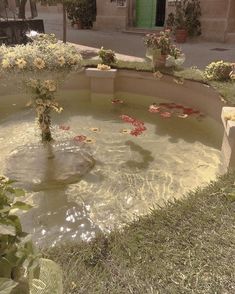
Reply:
x=145 y=13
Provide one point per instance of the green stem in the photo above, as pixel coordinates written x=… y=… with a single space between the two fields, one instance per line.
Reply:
x=44 y=120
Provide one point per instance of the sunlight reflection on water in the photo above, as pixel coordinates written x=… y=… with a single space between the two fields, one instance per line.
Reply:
x=130 y=174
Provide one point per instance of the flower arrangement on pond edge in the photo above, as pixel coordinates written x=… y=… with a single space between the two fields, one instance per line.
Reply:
x=35 y=61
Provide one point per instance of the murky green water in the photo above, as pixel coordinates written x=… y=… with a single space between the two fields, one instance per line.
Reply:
x=130 y=174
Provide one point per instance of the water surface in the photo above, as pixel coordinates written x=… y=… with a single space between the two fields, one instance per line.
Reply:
x=129 y=175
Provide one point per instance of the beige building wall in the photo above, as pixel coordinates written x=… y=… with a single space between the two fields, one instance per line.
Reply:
x=110 y=16
x=214 y=19
x=218 y=17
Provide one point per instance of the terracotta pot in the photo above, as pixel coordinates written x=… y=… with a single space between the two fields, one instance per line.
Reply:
x=79 y=25
x=159 y=62
x=181 y=35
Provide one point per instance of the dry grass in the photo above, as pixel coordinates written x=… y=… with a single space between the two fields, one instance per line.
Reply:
x=186 y=247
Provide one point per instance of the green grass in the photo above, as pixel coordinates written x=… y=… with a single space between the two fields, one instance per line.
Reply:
x=185 y=247
x=226 y=90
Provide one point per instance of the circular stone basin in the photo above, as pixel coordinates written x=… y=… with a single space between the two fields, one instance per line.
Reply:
x=97 y=175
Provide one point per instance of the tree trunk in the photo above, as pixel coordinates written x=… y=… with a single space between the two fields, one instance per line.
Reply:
x=64 y=24
x=22 y=9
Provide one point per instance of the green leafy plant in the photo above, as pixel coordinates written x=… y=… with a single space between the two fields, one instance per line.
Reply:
x=219 y=71
x=163 y=43
x=187 y=16
x=81 y=10
x=192 y=15
x=170 y=20
x=179 y=17
x=17 y=255
x=108 y=56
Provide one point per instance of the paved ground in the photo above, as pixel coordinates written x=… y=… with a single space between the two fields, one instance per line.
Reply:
x=197 y=53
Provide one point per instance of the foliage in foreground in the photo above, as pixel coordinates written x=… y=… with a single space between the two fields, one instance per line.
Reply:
x=17 y=256
x=186 y=247
x=219 y=71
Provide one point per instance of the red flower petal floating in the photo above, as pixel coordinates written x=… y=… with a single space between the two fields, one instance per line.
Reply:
x=184 y=111
x=154 y=108
x=165 y=114
x=138 y=124
x=178 y=106
x=188 y=111
x=79 y=138
x=117 y=101
x=127 y=118
x=64 y=128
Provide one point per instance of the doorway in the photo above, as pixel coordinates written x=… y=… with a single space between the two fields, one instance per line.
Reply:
x=150 y=13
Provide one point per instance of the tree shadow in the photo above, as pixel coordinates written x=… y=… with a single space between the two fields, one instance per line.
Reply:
x=147 y=158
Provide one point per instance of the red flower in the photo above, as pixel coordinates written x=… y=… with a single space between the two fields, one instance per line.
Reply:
x=190 y=111
x=137 y=131
x=127 y=118
x=154 y=108
x=178 y=106
x=117 y=101
x=79 y=138
x=138 y=124
x=64 y=128
x=165 y=114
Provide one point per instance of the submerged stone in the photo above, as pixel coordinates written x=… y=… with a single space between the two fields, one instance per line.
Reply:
x=40 y=167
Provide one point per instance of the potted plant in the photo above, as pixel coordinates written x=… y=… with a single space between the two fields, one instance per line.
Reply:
x=107 y=56
x=81 y=12
x=186 y=20
x=159 y=46
x=180 y=27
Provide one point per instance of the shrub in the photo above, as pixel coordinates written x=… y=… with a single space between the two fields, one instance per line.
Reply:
x=163 y=43
x=83 y=11
x=218 y=71
x=17 y=254
x=186 y=16
x=107 y=56
x=192 y=15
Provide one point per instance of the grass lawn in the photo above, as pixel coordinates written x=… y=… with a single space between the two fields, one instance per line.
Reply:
x=185 y=247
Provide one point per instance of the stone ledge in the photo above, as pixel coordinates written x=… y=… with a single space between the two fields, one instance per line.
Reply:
x=229 y=125
x=97 y=73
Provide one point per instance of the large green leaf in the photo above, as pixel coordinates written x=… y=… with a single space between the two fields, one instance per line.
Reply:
x=21 y=205
x=5 y=268
x=6 y=285
x=19 y=192
x=7 y=230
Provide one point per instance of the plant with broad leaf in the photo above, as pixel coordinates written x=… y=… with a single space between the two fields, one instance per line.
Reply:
x=163 y=43
x=42 y=65
x=107 y=56
x=160 y=46
x=17 y=255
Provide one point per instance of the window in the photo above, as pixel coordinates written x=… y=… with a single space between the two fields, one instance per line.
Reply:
x=121 y=3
